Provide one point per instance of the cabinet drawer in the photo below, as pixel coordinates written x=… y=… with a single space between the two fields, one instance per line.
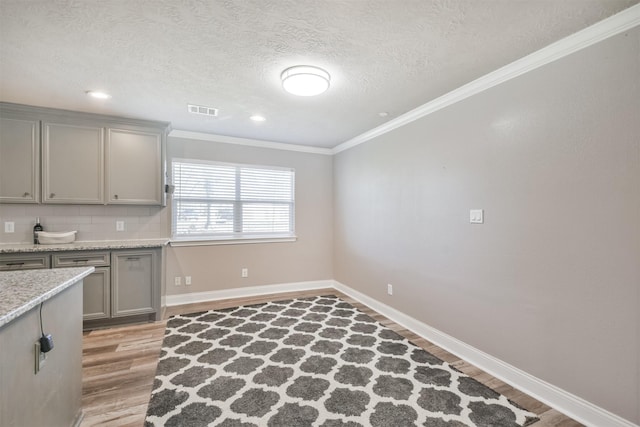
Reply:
x=24 y=262
x=75 y=259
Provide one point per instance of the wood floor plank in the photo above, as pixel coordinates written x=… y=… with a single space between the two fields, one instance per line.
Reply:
x=119 y=365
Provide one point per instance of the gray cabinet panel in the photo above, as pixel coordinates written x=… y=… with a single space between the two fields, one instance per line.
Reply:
x=134 y=281
x=19 y=160
x=72 y=164
x=24 y=262
x=134 y=167
x=96 y=297
x=80 y=259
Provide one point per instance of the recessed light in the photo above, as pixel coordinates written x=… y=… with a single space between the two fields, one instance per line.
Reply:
x=383 y=114
x=98 y=95
x=257 y=118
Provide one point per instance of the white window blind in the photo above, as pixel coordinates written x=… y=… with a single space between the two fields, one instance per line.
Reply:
x=231 y=201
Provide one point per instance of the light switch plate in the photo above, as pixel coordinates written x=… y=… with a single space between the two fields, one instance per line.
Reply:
x=119 y=225
x=476 y=216
x=9 y=227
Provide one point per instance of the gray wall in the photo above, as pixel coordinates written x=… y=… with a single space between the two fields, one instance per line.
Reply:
x=309 y=258
x=550 y=282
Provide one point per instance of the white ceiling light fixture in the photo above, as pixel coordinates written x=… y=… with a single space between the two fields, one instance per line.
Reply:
x=305 y=80
x=98 y=94
x=257 y=118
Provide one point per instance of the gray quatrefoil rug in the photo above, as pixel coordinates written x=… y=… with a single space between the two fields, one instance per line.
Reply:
x=315 y=361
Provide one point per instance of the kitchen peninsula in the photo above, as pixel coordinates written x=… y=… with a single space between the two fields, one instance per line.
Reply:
x=41 y=389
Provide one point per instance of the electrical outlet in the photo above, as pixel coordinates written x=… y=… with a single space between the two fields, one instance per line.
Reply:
x=389 y=289
x=40 y=357
x=119 y=225
x=9 y=227
x=187 y=280
x=177 y=281
x=245 y=272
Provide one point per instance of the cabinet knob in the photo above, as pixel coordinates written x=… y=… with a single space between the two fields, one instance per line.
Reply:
x=115 y=196
x=26 y=194
x=52 y=195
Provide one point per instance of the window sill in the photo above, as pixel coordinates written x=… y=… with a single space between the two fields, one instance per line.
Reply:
x=231 y=241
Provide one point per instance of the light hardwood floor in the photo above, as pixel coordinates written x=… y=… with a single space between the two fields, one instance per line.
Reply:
x=119 y=364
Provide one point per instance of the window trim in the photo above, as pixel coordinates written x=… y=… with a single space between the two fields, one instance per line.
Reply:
x=234 y=237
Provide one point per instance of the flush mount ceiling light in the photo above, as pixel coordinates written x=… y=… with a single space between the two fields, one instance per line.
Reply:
x=257 y=118
x=305 y=80
x=98 y=95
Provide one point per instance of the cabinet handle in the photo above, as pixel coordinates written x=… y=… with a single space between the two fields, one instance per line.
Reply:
x=15 y=263
x=133 y=258
x=52 y=195
x=26 y=194
x=80 y=260
x=115 y=196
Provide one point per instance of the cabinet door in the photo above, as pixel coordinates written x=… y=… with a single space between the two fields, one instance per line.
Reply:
x=72 y=164
x=96 y=296
x=134 y=283
x=19 y=160
x=134 y=167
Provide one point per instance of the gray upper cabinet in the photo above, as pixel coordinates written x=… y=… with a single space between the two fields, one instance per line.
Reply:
x=67 y=157
x=134 y=160
x=72 y=164
x=19 y=160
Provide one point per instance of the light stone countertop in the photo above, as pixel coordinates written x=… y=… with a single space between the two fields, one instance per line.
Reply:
x=22 y=290
x=83 y=246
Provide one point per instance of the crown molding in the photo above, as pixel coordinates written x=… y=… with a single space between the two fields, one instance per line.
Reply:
x=249 y=142
x=602 y=30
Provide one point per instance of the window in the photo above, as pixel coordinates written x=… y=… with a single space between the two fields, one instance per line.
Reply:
x=225 y=201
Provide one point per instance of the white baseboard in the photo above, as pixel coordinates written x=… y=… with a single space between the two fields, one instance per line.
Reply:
x=195 y=297
x=561 y=400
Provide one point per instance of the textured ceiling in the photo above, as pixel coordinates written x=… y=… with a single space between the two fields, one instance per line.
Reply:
x=156 y=56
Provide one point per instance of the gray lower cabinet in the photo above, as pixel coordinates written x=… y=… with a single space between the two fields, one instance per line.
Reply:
x=96 y=298
x=132 y=286
x=124 y=287
x=125 y=283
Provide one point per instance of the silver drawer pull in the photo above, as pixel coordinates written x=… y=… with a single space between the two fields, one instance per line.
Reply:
x=15 y=263
x=80 y=260
x=133 y=258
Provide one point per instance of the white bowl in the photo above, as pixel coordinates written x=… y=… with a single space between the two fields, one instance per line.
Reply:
x=54 y=237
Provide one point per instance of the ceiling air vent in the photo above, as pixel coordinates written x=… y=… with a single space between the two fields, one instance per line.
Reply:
x=202 y=110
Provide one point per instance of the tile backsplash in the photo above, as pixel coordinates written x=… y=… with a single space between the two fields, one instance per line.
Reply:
x=92 y=222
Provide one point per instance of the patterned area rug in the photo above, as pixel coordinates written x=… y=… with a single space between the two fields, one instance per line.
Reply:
x=315 y=361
